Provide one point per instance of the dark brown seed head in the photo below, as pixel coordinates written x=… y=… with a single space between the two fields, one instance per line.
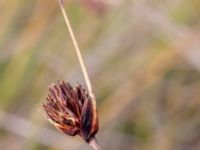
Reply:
x=71 y=110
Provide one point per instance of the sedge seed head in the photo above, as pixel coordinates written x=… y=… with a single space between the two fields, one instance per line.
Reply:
x=71 y=110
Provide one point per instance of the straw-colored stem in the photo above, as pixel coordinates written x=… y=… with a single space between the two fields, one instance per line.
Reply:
x=84 y=70
x=94 y=144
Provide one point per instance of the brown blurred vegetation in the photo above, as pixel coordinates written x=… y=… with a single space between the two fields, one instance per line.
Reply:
x=143 y=58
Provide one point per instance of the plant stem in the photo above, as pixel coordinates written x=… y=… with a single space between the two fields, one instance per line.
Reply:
x=78 y=52
x=94 y=144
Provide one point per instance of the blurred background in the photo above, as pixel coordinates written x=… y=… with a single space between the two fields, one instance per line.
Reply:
x=143 y=58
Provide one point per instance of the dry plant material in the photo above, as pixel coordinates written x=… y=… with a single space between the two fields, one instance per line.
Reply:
x=71 y=110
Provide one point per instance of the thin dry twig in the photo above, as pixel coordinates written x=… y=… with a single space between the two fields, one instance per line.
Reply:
x=78 y=52
x=94 y=144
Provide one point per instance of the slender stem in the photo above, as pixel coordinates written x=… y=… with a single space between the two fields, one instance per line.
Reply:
x=94 y=144
x=78 y=52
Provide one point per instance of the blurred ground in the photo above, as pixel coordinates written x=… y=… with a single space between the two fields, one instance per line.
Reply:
x=143 y=58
